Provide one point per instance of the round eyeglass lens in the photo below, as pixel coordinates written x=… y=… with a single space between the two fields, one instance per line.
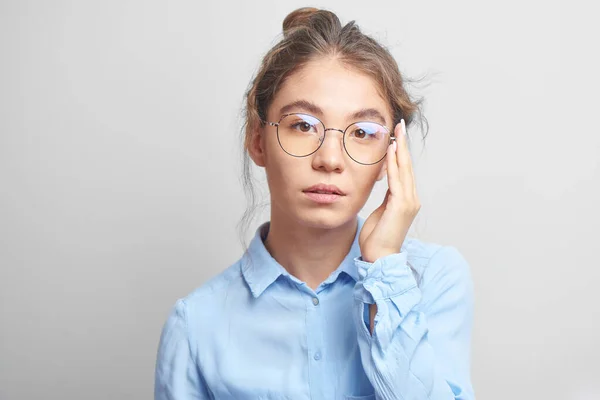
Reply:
x=300 y=134
x=366 y=142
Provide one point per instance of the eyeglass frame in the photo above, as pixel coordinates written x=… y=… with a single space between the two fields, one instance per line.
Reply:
x=325 y=129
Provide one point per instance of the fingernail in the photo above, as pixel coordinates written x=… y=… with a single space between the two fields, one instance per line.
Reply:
x=395 y=145
x=403 y=126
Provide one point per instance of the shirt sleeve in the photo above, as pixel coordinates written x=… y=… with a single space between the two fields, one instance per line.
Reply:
x=420 y=347
x=177 y=376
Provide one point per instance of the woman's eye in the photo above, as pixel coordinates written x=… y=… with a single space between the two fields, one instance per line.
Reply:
x=303 y=126
x=359 y=133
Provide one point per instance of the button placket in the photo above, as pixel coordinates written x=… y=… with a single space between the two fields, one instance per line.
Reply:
x=315 y=339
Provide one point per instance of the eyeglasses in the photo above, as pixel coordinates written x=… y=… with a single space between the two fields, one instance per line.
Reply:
x=301 y=135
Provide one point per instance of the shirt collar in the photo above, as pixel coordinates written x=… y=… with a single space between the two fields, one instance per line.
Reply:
x=260 y=269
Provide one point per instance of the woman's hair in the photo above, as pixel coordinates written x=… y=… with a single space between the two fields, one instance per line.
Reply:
x=310 y=34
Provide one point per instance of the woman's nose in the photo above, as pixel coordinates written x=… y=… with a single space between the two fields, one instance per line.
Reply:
x=330 y=156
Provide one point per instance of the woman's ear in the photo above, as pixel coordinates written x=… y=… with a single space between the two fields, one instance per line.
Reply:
x=256 y=147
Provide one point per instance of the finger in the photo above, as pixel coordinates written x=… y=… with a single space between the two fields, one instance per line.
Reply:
x=383 y=204
x=403 y=156
x=385 y=199
x=404 y=160
x=393 y=172
x=382 y=207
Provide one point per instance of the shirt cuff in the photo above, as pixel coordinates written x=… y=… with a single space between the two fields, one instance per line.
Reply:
x=387 y=277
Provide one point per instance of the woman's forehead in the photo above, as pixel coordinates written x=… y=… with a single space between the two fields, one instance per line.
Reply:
x=332 y=89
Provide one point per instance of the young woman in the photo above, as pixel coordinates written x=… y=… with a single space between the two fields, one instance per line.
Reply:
x=325 y=304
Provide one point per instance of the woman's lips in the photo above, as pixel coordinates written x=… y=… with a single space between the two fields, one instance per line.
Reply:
x=325 y=188
x=323 y=198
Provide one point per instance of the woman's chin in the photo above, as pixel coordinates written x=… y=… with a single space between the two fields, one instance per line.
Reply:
x=326 y=218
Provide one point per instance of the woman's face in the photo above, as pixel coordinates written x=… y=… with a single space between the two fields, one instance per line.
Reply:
x=336 y=94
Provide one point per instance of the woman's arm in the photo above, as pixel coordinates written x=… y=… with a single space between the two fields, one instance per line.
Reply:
x=420 y=346
x=177 y=376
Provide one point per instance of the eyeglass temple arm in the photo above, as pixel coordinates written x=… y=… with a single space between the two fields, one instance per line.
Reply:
x=270 y=123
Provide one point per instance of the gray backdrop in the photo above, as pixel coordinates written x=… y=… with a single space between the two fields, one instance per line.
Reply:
x=119 y=166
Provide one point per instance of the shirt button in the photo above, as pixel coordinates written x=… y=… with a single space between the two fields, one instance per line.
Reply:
x=315 y=301
x=317 y=355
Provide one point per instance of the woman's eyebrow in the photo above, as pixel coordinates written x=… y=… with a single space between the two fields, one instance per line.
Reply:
x=312 y=108
x=304 y=105
x=370 y=113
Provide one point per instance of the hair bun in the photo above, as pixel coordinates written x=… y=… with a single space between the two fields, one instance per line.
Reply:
x=297 y=18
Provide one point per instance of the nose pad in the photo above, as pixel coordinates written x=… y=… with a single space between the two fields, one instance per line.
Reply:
x=330 y=158
x=332 y=129
x=339 y=142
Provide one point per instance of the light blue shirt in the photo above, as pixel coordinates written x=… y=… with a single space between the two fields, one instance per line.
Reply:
x=256 y=332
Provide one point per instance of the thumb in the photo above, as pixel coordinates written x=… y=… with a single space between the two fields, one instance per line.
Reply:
x=385 y=200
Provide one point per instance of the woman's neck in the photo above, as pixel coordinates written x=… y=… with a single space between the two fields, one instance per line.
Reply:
x=310 y=254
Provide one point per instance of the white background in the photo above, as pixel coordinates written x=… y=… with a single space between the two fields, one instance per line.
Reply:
x=120 y=163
